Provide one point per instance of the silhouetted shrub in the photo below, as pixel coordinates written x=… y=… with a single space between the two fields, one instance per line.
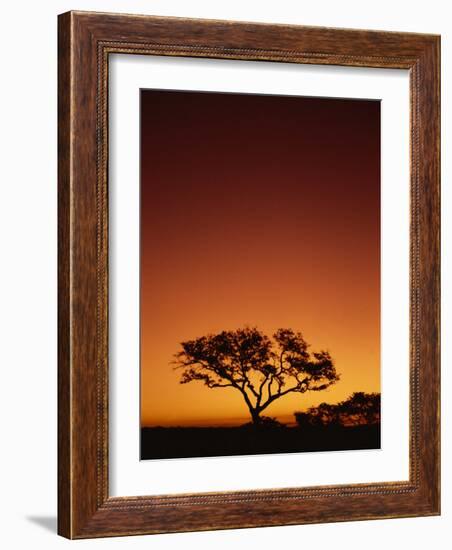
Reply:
x=358 y=410
x=266 y=422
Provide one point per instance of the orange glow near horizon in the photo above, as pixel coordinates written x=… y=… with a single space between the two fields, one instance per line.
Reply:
x=257 y=211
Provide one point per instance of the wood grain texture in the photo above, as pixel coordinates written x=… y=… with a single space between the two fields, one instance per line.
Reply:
x=64 y=295
x=85 y=42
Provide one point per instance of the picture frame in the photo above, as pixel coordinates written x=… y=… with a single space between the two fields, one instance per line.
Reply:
x=85 y=42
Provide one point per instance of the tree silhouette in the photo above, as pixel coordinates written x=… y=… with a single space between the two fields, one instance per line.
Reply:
x=359 y=409
x=261 y=369
x=322 y=415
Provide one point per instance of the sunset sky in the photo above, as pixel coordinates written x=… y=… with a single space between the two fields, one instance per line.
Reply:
x=257 y=211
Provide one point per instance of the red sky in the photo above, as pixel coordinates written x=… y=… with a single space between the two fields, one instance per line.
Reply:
x=261 y=211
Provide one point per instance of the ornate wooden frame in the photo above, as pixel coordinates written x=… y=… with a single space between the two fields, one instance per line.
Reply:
x=85 y=508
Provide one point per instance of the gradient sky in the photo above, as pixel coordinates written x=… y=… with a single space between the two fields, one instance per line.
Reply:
x=261 y=211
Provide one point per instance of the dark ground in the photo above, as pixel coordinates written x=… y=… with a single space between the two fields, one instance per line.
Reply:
x=161 y=442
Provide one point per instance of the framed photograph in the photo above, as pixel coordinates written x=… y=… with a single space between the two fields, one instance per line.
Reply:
x=248 y=275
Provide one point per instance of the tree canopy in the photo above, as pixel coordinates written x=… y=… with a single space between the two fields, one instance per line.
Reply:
x=262 y=369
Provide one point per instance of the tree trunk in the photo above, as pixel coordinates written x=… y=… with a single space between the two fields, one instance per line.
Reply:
x=255 y=415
